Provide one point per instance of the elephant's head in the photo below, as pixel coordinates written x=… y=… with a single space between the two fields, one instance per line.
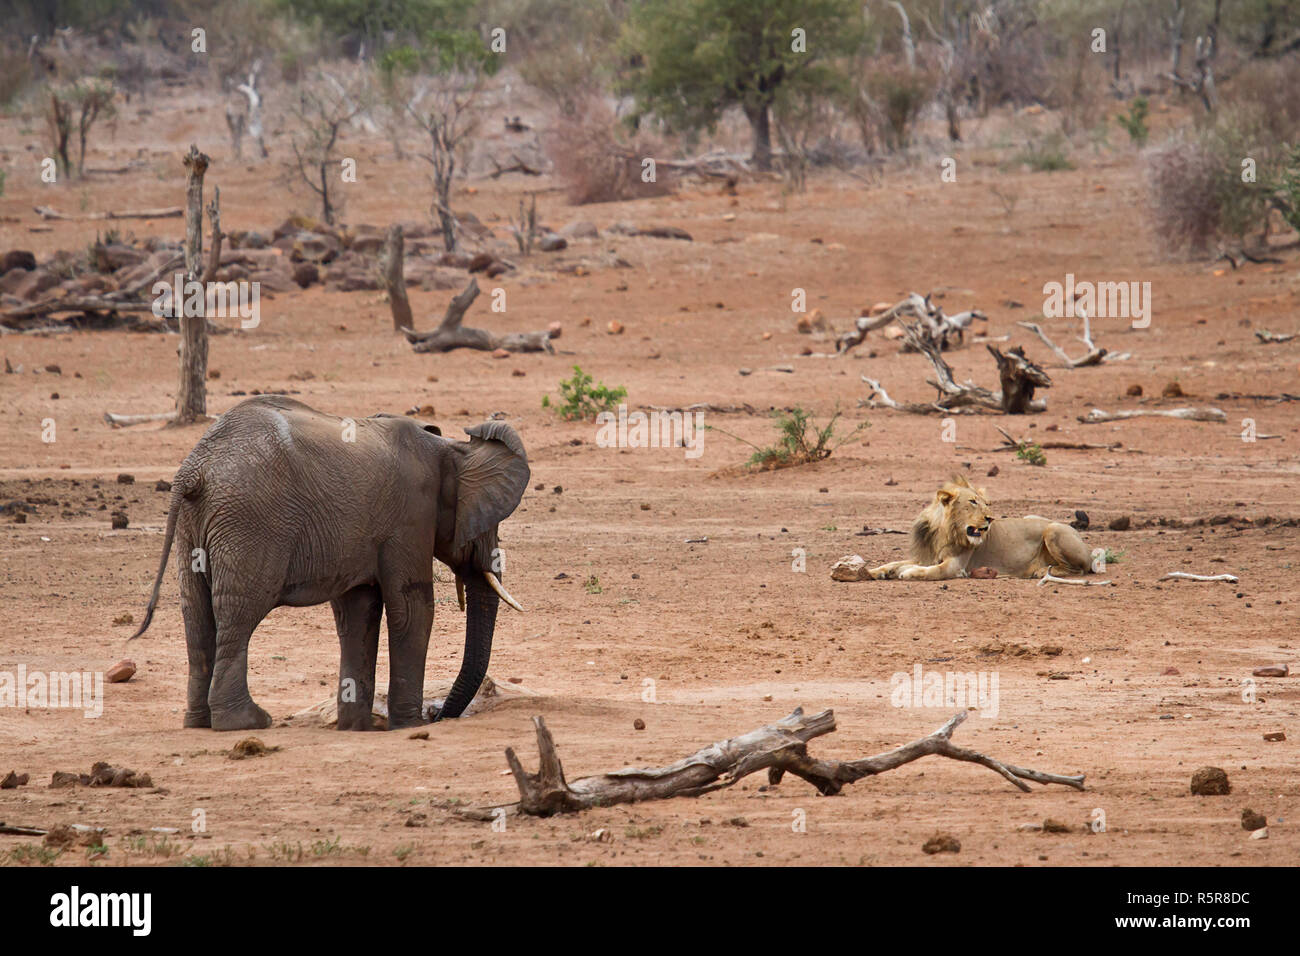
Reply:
x=490 y=476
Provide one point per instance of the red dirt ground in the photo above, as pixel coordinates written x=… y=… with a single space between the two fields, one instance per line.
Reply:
x=730 y=635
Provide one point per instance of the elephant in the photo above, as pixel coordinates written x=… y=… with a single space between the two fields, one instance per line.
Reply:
x=279 y=504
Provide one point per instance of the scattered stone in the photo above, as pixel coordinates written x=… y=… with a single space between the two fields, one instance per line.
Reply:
x=120 y=673
x=552 y=243
x=638 y=724
x=1276 y=736
x=101 y=775
x=1080 y=522
x=851 y=567
x=306 y=274
x=941 y=843
x=615 y=327
x=416 y=818
x=581 y=229
x=992 y=472
x=418 y=735
x=14 y=779
x=985 y=573
x=1210 y=782
x=1252 y=821
x=119 y=520
x=1260 y=834
x=1055 y=826
x=1272 y=670
x=480 y=262
x=500 y=354
x=1134 y=391
x=250 y=747
x=162 y=485
x=17 y=259
x=1122 y=523
x=1173 y=390
x=125 y=479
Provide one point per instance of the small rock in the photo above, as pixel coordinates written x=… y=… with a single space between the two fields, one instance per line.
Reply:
x=615 y=327
x=851 y=567
x=941 y=843
x=552 y=243
x=992 y=472
x=120 y=673
x=984 y=573
x=1272 y=670
x=119 y=521
x=1173 y=390
x=1275 y=737
x=1121 y=523
x=638 y=724
x=417 y=819
x=558 y=489
x=1210 y=782
x=162 y=485
x=14 y=779
x=645 y=506
x=1080 y=522
x=1055 y=826
x=500 y=354
x=1134 y=391
x=418 y=735
x=125 y=479
x=518 y=373
x=1260 y=834
x=554 y=329
x=1252 y=821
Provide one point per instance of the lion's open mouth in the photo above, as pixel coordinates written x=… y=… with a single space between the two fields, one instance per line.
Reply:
x=973 y=532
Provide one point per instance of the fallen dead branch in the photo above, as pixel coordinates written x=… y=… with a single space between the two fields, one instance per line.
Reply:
x=1273 y=338
x=1184 y=576
x=932 y=324
x=1207 y=414
x=778 y=747
x=450 y=334
x=168 y=212
x=1019 y=377
x=1050 y=578
x=1095 y=354
x=1014 y=444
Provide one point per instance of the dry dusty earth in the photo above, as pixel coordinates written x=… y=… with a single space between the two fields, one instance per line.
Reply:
x=1146 y=687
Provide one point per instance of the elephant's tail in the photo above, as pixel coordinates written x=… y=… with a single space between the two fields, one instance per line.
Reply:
x=180 y=489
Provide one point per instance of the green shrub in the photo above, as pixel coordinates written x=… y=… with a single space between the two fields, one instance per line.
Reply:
x=580 y=399
x=1135 y=121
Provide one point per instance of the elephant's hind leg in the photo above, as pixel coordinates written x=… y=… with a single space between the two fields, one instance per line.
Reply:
x=356 y=616
x=1068 y=552
x=231 y=705
x=200 y=643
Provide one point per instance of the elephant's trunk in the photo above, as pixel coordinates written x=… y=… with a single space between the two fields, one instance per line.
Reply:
x=480 y=623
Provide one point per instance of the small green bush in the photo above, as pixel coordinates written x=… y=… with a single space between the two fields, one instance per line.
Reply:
x=583 y=400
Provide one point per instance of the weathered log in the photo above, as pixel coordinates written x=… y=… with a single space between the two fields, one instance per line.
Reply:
x=1019 y=377
x=451 y=334
x=169 y=212
x=191 y=396
x=1206 y=414
x=779 y=748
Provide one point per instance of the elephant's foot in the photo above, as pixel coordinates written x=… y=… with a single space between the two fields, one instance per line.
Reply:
x=198 y=718
x=245 y=716
x=355 y=717
x=399 y=721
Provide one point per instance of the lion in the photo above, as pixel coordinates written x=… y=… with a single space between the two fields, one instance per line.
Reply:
x=956 y=532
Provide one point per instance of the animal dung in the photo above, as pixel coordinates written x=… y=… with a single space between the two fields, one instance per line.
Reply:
x=1210 y=782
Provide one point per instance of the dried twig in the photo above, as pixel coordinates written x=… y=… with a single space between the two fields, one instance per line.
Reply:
x=1050 y=578
x=1184 y=576
x=1207 y=414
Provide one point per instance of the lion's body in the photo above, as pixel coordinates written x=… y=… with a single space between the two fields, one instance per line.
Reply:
x=956 y=533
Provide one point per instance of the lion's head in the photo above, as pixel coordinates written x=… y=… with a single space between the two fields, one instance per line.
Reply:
x=955 y=521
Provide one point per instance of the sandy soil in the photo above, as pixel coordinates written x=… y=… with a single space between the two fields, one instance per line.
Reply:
x=1146 y=688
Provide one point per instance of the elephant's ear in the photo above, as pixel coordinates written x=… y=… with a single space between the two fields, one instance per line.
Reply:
x=492 y=479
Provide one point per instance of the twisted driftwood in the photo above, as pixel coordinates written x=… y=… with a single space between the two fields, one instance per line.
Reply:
x=934 y=325
x=778 y=747
x=1019 y=376
x=1095 y=354
x=450 y=334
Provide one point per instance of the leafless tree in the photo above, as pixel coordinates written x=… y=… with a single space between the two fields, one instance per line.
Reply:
x=445 y=108
x=322 y=108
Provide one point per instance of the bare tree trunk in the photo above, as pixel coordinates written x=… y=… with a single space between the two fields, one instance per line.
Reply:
x=760 y=122
x=191 y=398
x=390 y=262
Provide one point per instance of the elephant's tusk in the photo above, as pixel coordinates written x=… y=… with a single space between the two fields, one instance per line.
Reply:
x=501 y=592
x=460 y=592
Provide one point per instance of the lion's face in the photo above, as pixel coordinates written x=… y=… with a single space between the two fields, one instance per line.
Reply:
x=966 y=511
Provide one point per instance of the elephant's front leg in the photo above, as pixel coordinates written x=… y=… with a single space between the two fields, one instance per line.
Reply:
x=356 y=616
x=409 y=605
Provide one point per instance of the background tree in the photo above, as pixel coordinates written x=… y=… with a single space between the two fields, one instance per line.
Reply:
x=693 y=59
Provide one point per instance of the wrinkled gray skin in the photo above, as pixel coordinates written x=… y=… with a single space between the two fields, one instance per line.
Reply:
x=289 y=513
